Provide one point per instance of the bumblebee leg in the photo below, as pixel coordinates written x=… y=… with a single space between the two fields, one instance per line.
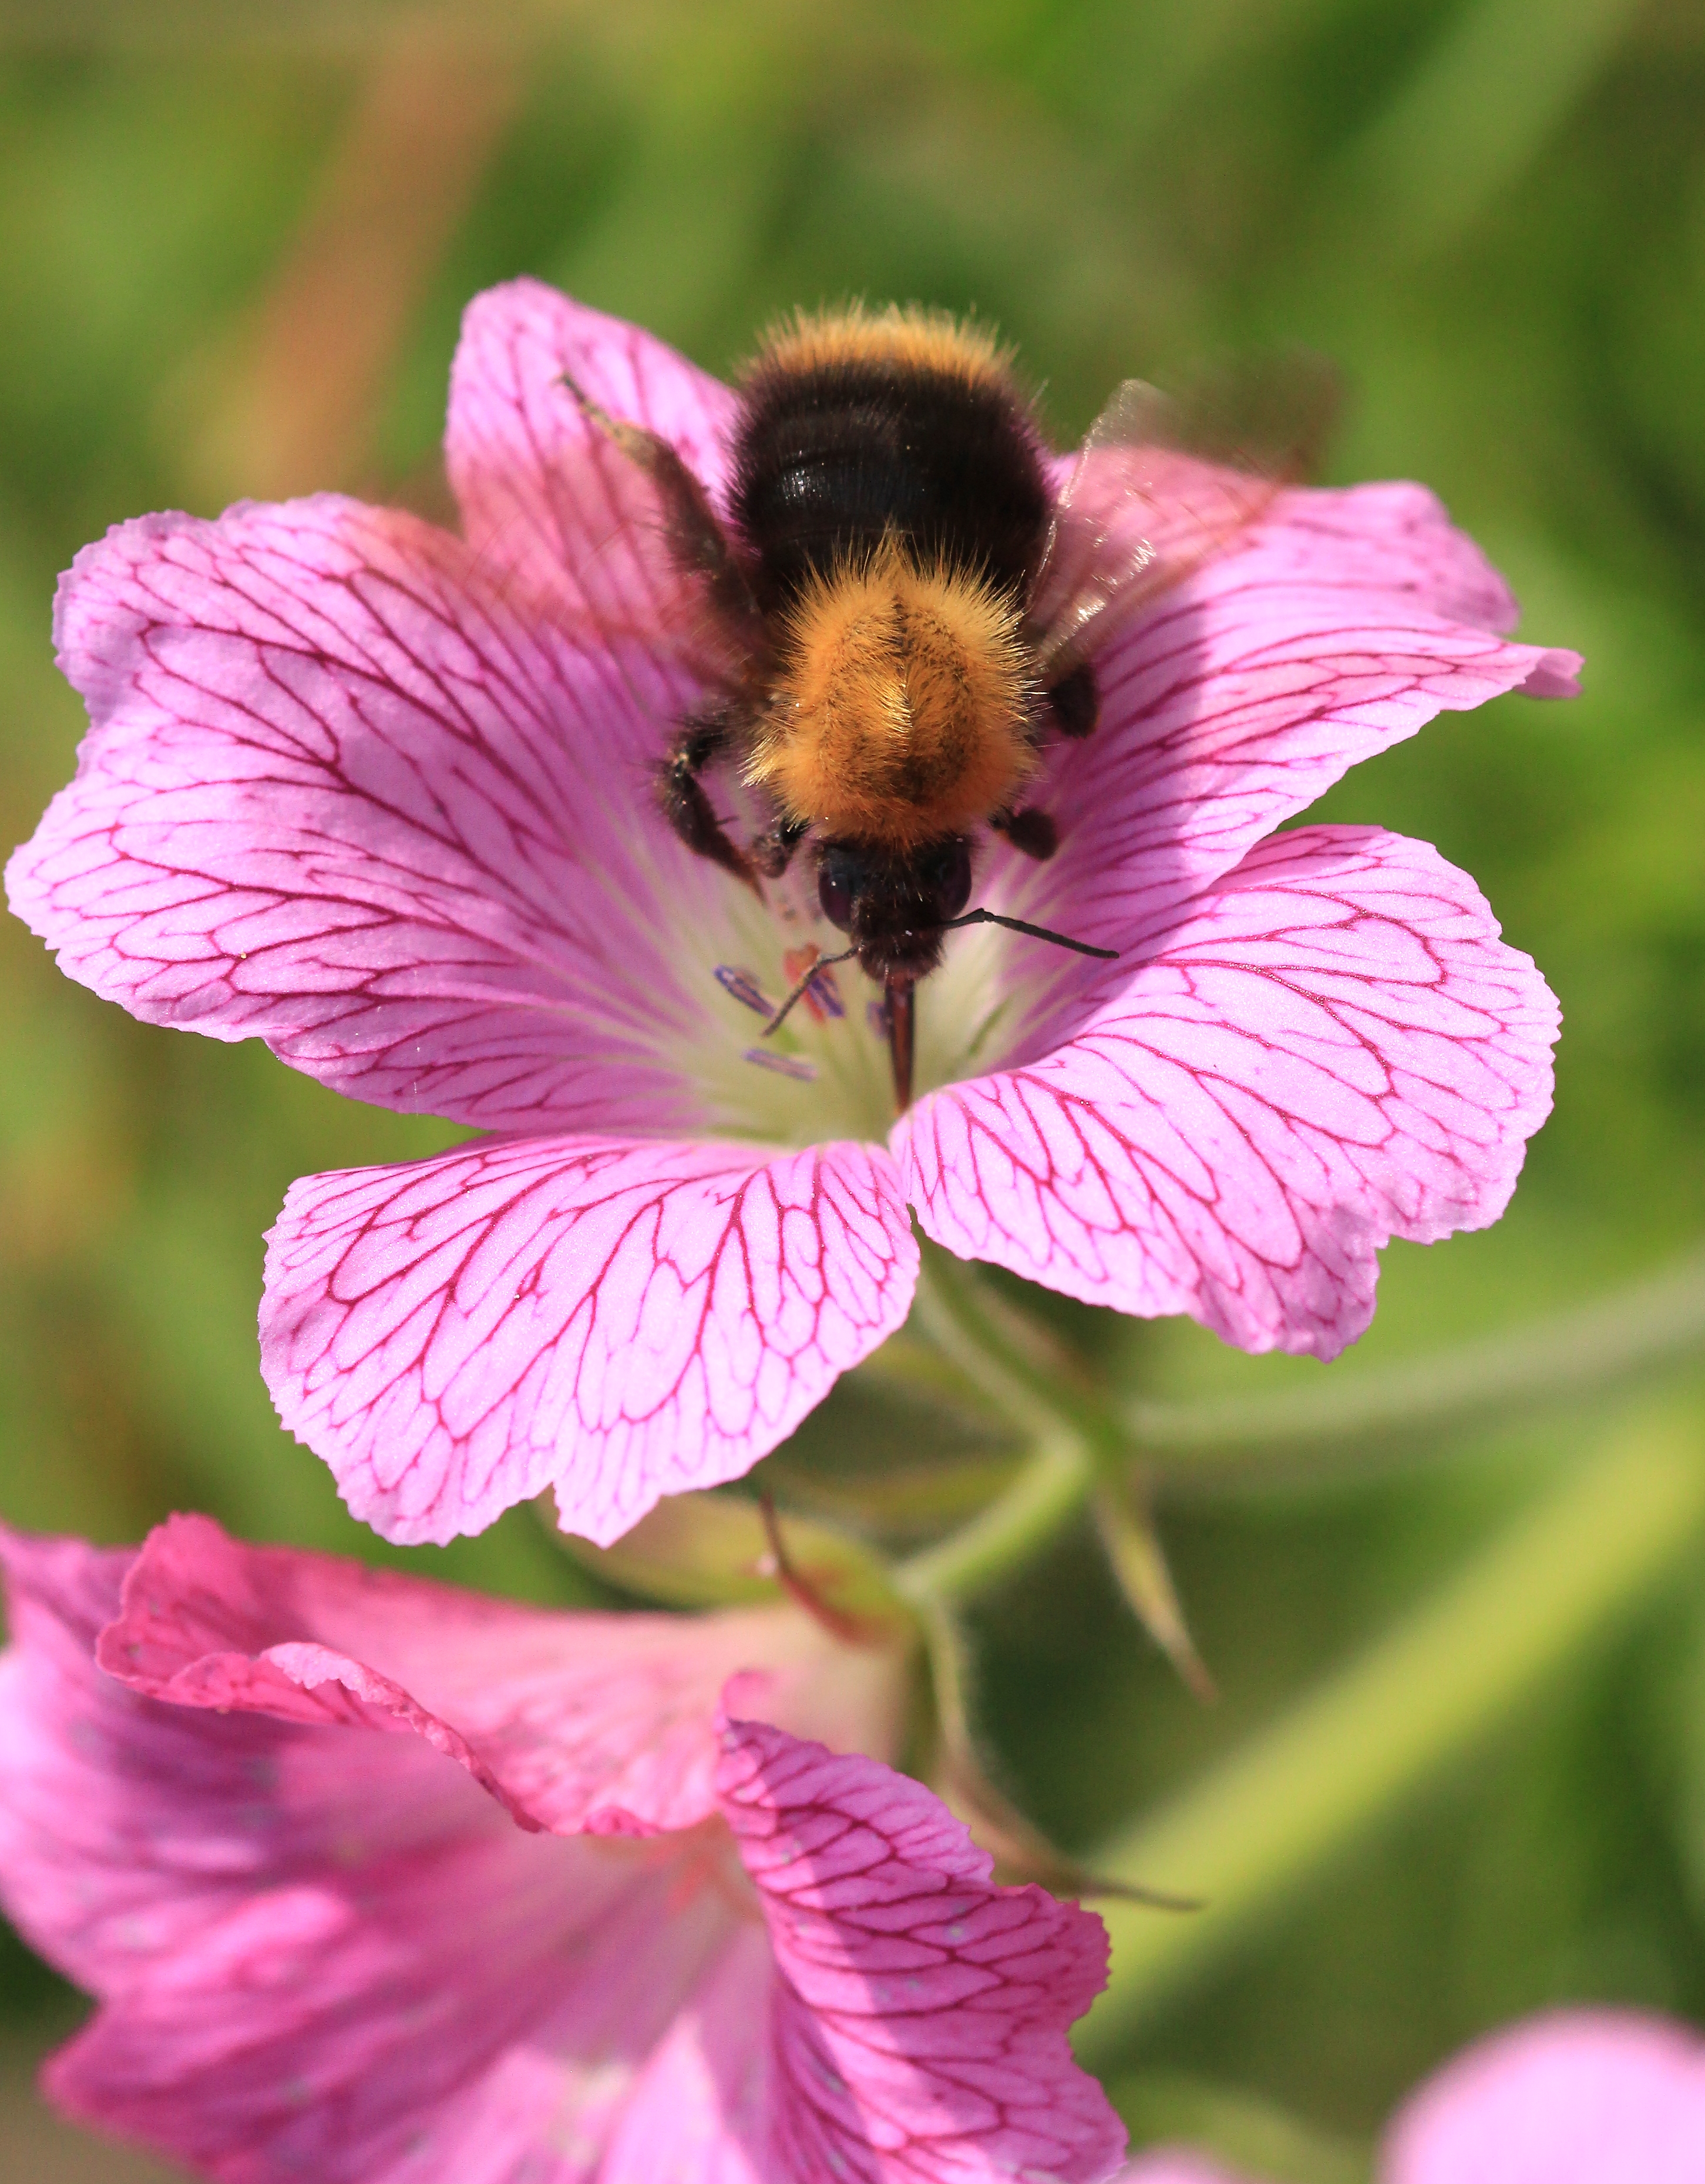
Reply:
x=701 y=738
x=697 y=541
x=772 y=852
x=1032 y=832
x=1074 y=701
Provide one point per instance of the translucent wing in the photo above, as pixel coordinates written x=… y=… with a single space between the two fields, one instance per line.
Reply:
x=1160 y=486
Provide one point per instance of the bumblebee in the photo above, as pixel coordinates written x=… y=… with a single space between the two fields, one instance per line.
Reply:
x=904 y=609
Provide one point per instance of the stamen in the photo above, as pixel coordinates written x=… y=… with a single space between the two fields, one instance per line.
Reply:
x=823 y=963
x=784 y=1065
x=745 y=989
x=822 y=995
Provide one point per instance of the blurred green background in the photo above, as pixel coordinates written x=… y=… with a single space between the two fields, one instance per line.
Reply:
x=234 y=245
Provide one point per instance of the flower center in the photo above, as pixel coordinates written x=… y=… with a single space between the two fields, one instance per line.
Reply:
x=826 y=1072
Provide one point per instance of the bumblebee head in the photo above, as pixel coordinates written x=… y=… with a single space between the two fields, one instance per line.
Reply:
x=892 y=906
x=901 y=709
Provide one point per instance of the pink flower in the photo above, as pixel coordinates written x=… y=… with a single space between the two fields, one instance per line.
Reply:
x=383 y=799
x=378 y=1882
x=1577 y=2097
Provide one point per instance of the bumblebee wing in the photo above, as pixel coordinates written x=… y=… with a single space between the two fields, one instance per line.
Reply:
x=1160 y=486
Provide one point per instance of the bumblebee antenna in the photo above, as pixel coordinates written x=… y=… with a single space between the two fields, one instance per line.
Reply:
x=1018 y=925
x=823 y=963
x=950 y=925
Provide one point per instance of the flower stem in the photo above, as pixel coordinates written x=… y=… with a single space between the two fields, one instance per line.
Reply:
x=1081 y=1440
x=1228 y=1442
x=1009 y=1361
x=1596 y=1544
x=1050 y=1489
x=1006 y=1356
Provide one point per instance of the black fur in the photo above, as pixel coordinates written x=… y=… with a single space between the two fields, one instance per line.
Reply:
x=828 y=460
x=892 y=906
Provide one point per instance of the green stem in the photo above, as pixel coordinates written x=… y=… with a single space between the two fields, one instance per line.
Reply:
x=1006 y=1356
x=1388 y=1413
x=1247 y=1838
x=1011 y=1364
x=1050 y=1489
x=1009 y=1361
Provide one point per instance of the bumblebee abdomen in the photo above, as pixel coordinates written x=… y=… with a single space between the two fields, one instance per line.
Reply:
x=904 y=427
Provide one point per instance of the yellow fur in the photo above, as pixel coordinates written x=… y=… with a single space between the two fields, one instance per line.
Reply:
x=908 y=334
x=900 y=711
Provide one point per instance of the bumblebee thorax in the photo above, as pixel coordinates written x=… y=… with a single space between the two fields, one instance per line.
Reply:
x=900 y=709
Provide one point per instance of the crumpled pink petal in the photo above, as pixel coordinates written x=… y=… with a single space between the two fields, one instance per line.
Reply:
x=1578 y=2096
x=321 y=1950
x=919 y=2026
x=582 y=1724
x=307 y=1942
x=1334 y=1048
x=618 y=1321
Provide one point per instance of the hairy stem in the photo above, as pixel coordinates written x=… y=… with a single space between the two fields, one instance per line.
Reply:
x=1010 y=1364
x=1050 y=1489
x=1229 y=1442
x=1280 y=1810
x=1006 y=1356
x=1359 y=1421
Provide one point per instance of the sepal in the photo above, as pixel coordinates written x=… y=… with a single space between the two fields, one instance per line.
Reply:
x=716 y=1550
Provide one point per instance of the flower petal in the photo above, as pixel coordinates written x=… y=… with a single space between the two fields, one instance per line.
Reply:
x=618 y=1321
x=338 y=797
x=66 y=1884
x=1345 y=622
x=697 y=2113
x=1333 y=1050
x=543 y=492
x=918 y=2027
x=1581 y=2096
x=322 y=1952
x=580 y=1724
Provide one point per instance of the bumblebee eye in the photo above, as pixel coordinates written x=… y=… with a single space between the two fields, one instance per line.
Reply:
x=835 y=896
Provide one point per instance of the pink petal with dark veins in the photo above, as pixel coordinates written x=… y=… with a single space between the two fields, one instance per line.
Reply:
x=338 y=796
x=319 y=1952
x=1332 y=1049
x=1581 y=2096
x=699 y=2113
x=1344 y=622
x=544 y=494
x=579 y=1723
x=618 y=1322
x=918 y=2026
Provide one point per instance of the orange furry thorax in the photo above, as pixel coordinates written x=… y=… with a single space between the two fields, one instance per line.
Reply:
x=906 y=335
x=900 y=712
